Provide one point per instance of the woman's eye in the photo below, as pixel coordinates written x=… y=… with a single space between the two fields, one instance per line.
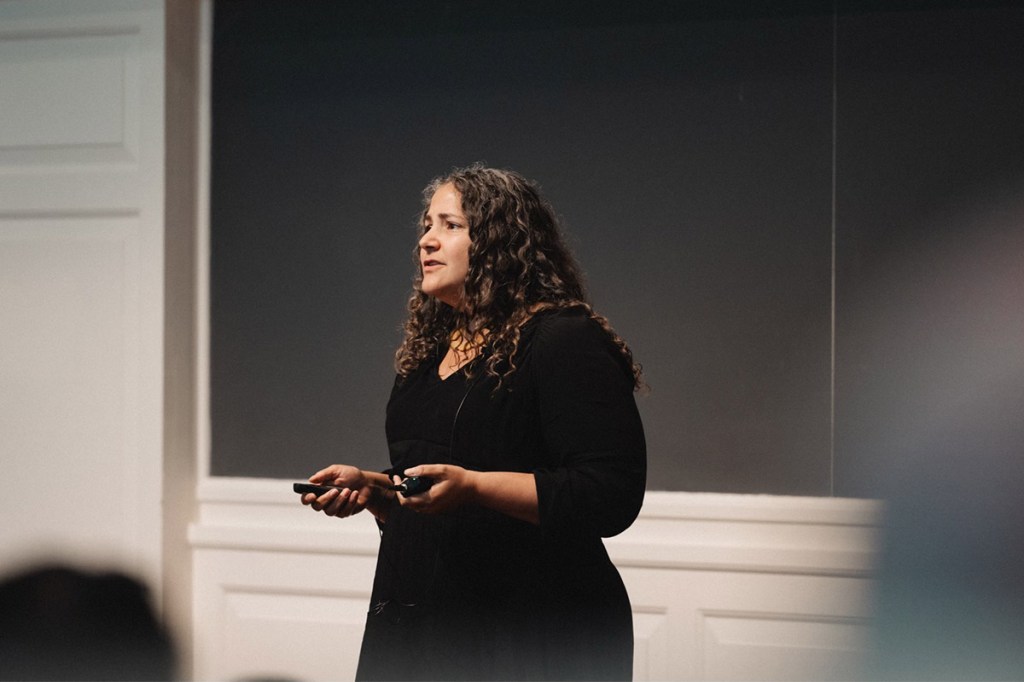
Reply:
x=454 y=226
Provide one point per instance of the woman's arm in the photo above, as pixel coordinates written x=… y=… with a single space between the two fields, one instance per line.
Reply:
x=595 y=480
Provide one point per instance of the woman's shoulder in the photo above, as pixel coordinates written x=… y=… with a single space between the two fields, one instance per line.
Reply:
x=553 y=324
x=570 y=342
x=559 y=332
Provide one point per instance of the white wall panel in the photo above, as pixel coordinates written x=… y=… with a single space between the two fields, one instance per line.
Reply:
x=652 y=645
x=81 y=91
x=69 y=362
x=73 y=96
x=263 y=614
x=781 y=646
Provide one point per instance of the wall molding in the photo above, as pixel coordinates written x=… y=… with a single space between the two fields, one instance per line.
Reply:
x=695 y=531
x=722 y=585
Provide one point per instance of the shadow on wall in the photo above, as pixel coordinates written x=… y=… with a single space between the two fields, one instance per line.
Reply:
x=61 y=623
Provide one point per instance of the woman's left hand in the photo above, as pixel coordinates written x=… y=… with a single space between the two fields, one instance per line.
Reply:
x=453 y=487
x=511 y=493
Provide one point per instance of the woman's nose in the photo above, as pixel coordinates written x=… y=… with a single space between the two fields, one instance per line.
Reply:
x=428 y=242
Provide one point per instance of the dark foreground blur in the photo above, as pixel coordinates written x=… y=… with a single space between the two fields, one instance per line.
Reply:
x=61 y=623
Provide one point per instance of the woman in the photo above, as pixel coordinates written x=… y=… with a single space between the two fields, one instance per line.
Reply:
x=516 y=400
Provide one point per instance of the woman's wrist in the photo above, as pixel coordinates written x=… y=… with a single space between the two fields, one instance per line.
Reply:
x=471 y=484
x=377 y=479
x=511 y=493
x=381 y=499
x=380 y=502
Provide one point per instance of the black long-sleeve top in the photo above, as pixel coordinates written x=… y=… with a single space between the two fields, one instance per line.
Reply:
x=475 y=594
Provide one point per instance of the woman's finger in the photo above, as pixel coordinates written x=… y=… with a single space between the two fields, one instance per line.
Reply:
x=321 y=502
x=337 y=505
x=429 y=470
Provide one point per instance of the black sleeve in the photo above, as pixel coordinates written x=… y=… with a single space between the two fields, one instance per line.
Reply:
x=591 y=428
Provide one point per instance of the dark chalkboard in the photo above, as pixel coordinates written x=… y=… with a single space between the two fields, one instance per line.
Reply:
x=715 y=168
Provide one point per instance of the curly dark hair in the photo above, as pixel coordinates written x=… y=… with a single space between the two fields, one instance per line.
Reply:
x=519 y=264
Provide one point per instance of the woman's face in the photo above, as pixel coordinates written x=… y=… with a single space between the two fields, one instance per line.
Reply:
x=444 y=246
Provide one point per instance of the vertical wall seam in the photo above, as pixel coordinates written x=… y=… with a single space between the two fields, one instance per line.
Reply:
x=832 y=292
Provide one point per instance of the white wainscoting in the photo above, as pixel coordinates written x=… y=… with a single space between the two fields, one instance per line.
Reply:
x=724 y=587
x=81 y=282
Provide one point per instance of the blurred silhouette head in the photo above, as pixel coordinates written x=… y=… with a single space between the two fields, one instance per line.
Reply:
x=59 y=623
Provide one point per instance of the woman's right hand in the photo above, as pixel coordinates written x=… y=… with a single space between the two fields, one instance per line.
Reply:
x=354 y=493
x=358 y=490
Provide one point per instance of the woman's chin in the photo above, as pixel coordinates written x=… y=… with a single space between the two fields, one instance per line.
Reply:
x=444 y=296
